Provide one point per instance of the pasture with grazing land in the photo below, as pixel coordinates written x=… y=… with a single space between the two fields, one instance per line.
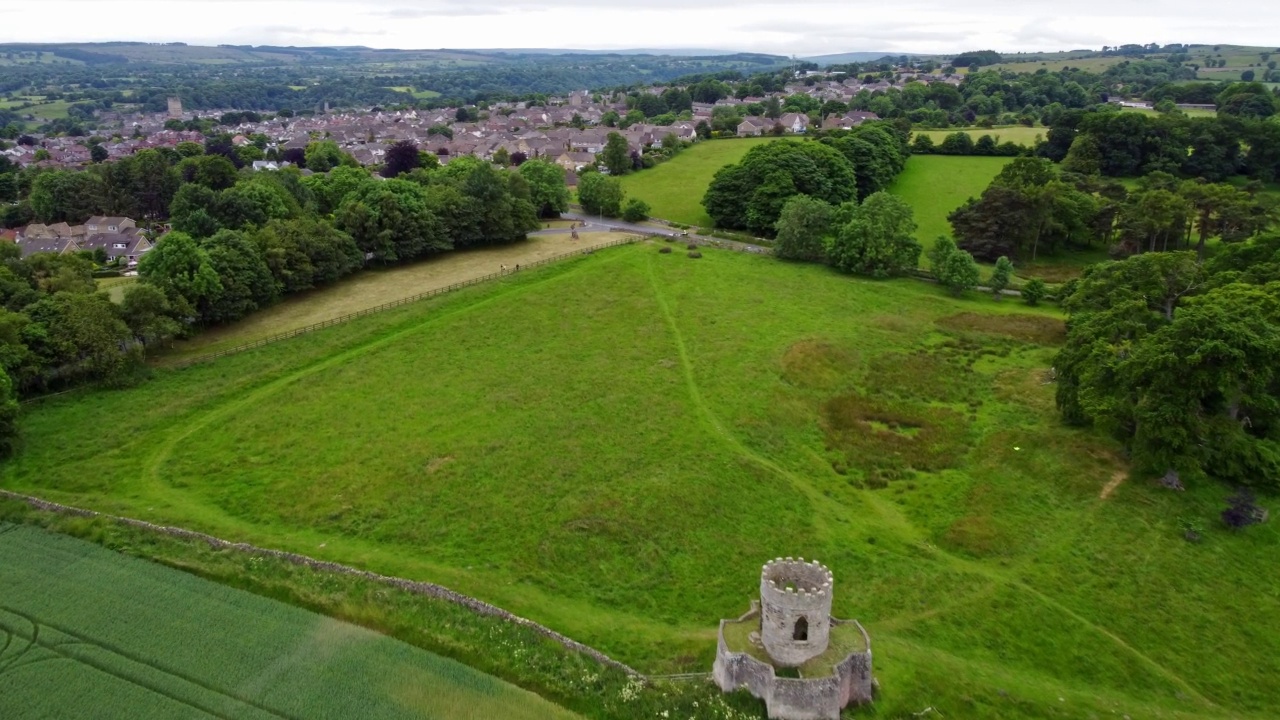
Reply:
x=374 y=287
x=935 y=185
x=612 y=445
x=85 y=632
x=675 y=188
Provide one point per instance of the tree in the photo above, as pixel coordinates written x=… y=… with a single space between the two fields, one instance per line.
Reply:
x=1247 y=76
x=390 y=221
x=98 y=154
x=84 y=337
x=1001 y=276
x=750 y=195
x=247 y=283
x=878 y=238
x=547 y=189
x=1034 y=291
x=600 y=195
x=182 y=269
x=616 y=155
x=8 y=416
x=307 y=252
x=402 y=157
x=1084 y=157
x=953 y=267
x=212 y=171
x=147 y=312
x=325 y=155
x=636 y=210
x=65 y=196
x=802 y=227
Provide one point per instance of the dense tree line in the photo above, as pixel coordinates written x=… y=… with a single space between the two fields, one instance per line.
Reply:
x=1032 y=208
x=840 y=167
x=1180 y=360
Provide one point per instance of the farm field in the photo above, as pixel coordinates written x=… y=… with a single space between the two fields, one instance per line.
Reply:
x=613 y=444
x=675 y=188
x=376 y=287
x=935 y=185
x=85 y=632
x=1018 y=134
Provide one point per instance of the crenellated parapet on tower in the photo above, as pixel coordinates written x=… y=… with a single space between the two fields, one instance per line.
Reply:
x=795 y=610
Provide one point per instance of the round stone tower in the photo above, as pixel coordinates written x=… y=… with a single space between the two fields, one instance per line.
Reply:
x=795 y=610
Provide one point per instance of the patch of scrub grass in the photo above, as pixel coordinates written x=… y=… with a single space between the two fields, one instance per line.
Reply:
x=625 y=445
x=935 y=185
x=675 y=188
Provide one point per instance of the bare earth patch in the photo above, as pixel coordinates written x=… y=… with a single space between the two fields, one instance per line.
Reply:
x=1115 y=482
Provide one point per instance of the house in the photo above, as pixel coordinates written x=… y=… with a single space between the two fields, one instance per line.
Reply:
x=752 y=127
x=58 y=246
x=128 y=246
x=795 y=122
x=575 y=161
x=98 y=224
x=848 y=120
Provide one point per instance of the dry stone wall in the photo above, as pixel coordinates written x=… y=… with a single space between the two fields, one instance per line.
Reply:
x=420 y=588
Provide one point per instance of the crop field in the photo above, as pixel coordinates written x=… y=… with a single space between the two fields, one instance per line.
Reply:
x=1018 y=134
x=675 y=188
x=935 y=185
x=376 y=287
x=613 y=444
x=85 y=632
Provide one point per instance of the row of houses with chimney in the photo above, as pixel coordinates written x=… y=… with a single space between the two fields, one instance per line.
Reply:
x=119 y=238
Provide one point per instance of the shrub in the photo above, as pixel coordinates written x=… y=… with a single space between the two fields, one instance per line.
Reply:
x=665 y=250
x=1034 y=291
x=695 y=254
x=1242 y=511
x=693 y=246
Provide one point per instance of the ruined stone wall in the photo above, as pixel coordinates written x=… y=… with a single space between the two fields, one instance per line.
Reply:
x=420 y=588
x=795 y=699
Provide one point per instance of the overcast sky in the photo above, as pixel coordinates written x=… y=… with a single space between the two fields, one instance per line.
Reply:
x=809 y=27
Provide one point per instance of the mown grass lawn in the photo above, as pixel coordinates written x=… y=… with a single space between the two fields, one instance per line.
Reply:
x=612 y=446
x=935 y=185
x=675 y=188
x=85 y=632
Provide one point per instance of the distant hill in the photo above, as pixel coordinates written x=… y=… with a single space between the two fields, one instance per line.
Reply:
x=851 y=57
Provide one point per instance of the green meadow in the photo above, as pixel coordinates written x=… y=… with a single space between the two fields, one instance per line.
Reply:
x=612 y=445
x=85 y=632
x=675 y=188
x=935 y=185
x=1016 y=134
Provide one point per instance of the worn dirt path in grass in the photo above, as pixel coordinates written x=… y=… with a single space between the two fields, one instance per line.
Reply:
x=1116 y=480
x=375 y=287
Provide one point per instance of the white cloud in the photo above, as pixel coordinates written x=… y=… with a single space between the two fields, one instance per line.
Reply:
x=808 y=27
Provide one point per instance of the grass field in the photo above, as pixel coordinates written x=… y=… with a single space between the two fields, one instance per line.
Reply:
x=1017 y=134
x=1190 y=112
x=675 y=188
x=85 y=632
x=376 y=287
x=935 y=185
x=115 y=286
x=611 y=445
